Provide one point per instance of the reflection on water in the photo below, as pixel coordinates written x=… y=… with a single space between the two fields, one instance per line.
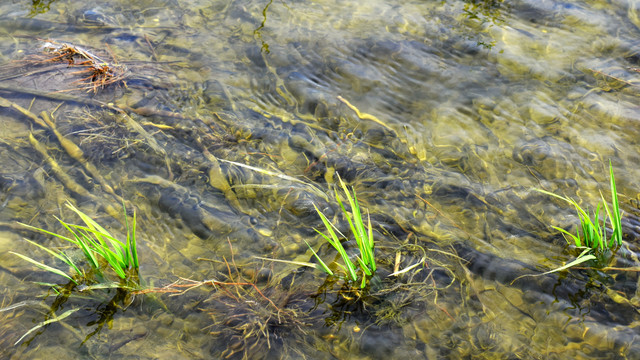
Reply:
x=232 y=121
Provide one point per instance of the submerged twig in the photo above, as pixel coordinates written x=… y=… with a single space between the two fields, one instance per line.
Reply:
x=176 y=288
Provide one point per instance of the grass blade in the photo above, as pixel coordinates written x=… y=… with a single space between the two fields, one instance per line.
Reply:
x=130 y=247
x=47 y=322
x=114 y=245
x=357 y=228
x=337 y=244
x=88 y=220
x=70 y=262
x=51 y=252
x=364 y=242
x=49 y=232
x=577 y=261
x=59 y=255
x=323 y=266
x=299 y=263
x=364 y=267
x=88 y=252
x=133 y=249
x=44 y=266
x=350 y=268
x=408 y=268
x=555 y=195
x=616 y=221
x=370 y=245
x=575 y=238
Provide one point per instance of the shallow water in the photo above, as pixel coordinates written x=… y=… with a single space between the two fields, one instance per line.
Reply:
x=234 y=119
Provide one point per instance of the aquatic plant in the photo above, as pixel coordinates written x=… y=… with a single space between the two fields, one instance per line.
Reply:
x=363 y=236
x=253 y=322
x=591 y=235
x=97 y=244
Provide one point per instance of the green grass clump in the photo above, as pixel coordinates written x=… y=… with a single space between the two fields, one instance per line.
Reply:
x=362 y=234
x=591 y=235
x=101 y=250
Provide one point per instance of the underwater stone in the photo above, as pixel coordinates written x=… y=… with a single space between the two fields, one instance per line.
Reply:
x=542 y=114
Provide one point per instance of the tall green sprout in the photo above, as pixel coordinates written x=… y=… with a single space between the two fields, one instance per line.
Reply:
x=101 y=250
x=362 y=234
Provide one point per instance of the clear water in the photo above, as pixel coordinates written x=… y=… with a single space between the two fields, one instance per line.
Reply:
x=234 y=118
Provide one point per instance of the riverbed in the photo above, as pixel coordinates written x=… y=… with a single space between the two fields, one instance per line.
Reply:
x=225 y=124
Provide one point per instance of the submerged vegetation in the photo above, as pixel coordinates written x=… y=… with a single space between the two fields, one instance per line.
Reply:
x=363 y=236
x=101 y=249
x=591 y=235
x=106 y=255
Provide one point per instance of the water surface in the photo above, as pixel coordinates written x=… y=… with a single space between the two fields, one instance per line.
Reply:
x=235 y=118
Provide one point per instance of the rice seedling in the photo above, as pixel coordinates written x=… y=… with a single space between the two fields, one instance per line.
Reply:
x=362 y=234
x=101 y=250
x=591 y=235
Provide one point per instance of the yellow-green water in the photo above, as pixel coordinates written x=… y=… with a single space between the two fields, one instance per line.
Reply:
x=235 y=117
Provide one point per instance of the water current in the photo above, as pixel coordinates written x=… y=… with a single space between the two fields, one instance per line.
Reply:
x=222 y=123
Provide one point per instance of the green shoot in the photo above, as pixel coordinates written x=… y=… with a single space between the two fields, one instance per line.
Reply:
x=583 y=257
x=323 y=266
x=96 y=244
x=362 y=234
x=47 y=322
x=614 y=216
x=44 y=266
x=592 y=233
x=335 y=242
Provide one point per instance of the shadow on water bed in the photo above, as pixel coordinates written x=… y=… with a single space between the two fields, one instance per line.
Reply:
x=441 y=115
